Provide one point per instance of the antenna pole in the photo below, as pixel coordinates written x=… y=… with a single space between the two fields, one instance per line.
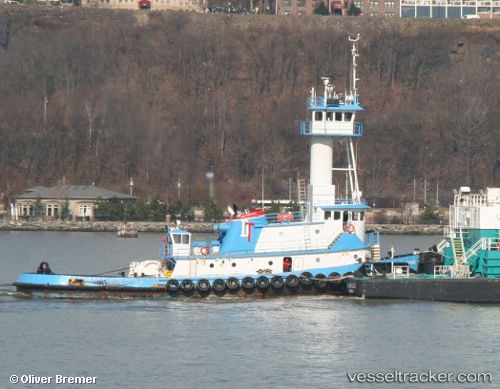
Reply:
x=354 y=52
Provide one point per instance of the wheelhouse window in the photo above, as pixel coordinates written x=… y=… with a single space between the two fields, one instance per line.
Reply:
x=356 y=216
x=181 y=238
x=348 y=117
x=318 y=116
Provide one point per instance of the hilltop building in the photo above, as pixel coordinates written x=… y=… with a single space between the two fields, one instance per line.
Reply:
x=145 y=5
x=453 y=9
x=398 y=8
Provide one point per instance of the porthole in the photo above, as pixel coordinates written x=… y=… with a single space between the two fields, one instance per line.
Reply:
x=233 y=264
x=316 y=232
x=270 y=263
x=211 y=265
x=318 y=260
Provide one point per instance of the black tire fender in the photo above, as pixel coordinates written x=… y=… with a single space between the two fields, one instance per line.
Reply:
x=292 y=281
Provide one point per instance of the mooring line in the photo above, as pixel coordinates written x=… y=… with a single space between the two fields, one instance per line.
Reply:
x=111 y=271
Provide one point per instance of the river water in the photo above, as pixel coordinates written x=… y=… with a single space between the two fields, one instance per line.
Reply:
x=294 y=342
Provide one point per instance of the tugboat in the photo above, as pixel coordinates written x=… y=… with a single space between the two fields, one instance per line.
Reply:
x=463 y=267
x=258 y=254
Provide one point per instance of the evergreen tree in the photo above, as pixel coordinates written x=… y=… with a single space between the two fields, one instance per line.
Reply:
x=430 y=215
x=38 y=209
x=64 y=214
x=212 y=212
x=158 y=209
x=353 y=10
x=321 y=9
x=112 y=209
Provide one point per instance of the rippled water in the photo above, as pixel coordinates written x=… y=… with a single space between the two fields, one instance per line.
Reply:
x=294 y=342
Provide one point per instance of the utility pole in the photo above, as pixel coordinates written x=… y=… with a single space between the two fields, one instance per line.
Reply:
x=425 y=189
x=210 y=178
x=45 y=105
x=179 y=186
x=262 y=187
x=437 y=193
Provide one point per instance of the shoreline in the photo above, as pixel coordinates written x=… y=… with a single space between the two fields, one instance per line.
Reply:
x=195 y=227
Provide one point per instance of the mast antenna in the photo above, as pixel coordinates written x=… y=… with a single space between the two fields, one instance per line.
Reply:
x=354 y=53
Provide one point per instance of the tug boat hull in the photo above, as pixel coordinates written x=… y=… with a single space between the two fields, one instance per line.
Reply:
x=125 y=288
x=149 y=294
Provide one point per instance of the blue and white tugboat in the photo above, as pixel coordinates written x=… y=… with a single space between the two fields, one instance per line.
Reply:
x=258 y=254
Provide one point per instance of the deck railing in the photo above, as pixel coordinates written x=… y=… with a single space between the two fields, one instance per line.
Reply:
x=331 y=128
x=453 y=271
x=284 y=217
x=333 y=101
x=400 y=271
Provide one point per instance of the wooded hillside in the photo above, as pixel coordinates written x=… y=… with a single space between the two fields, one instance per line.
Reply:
x=98 y=96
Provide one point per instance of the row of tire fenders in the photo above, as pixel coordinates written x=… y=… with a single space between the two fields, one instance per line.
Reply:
x=249 y=284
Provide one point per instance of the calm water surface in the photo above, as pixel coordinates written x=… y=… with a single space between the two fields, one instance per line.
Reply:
x=297 y=342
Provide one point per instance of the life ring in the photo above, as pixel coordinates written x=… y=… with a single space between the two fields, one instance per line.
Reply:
x=349 y=228
x=205 y=250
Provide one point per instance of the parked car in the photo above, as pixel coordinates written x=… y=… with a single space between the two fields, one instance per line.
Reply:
x=471 y=16
x=12 y=2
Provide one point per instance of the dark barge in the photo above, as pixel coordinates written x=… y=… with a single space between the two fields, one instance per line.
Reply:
x=459 y=290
